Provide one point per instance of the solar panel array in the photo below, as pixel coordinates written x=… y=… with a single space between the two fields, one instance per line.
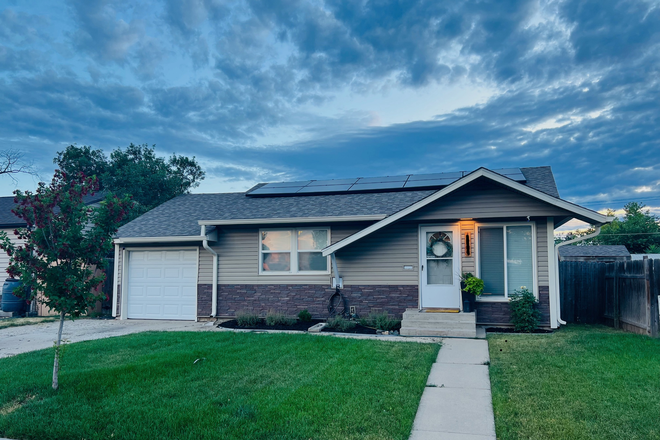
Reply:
x=373 y=184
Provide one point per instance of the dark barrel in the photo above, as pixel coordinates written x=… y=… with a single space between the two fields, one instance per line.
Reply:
x=11 y=303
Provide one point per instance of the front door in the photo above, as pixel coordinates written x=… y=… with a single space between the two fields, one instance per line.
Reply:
x=440 y=267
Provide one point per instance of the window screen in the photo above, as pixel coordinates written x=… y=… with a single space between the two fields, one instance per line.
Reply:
x=519 y=258
x=491 y=260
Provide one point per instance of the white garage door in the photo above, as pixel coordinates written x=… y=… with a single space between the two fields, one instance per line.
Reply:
x=162 y=285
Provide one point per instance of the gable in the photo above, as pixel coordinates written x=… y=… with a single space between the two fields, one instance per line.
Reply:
x=485 y=199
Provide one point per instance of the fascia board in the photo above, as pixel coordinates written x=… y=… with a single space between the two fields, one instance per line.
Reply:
x=481 y=172
x=288 y=220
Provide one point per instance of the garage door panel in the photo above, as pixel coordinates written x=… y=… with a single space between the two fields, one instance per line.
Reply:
x=189 y=272
x=172 y=272
x=162 y=285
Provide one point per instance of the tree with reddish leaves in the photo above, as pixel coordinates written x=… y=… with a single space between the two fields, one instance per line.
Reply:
x=64 y=242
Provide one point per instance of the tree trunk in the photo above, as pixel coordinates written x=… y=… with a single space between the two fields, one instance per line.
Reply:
x=56 y=365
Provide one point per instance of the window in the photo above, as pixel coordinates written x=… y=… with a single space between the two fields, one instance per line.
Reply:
x=286 y=251
x=506 y=259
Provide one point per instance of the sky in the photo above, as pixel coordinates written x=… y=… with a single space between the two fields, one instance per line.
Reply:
x=276 y=90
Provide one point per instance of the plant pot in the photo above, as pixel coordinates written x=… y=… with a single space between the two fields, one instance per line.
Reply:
x=470 y=299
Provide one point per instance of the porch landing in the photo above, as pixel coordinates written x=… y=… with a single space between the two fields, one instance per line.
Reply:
x=421 y=323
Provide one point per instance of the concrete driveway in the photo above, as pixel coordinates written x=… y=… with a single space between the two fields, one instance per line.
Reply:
x=15 y=340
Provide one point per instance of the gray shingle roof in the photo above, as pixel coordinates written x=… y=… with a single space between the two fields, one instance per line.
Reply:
x=9 y=220
x=541 y=178
x=594 y=251
x=179 y=216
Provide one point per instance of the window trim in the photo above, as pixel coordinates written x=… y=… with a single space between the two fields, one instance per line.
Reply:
x=477 y=245
x=293 y=261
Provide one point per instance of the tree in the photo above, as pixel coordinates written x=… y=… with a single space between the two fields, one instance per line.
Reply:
x=75 y=160
x=137 y=171
x=65 y=241
x=14 y=162
x=638 y=231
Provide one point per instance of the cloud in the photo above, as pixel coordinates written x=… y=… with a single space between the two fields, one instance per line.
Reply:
x=247 y=85
x=20 y=28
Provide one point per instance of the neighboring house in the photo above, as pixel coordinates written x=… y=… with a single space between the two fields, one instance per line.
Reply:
x=603 y=253
x=388 y=243
x=9 y=223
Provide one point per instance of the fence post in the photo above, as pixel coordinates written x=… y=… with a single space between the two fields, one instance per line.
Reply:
x=615 y=292
x=647 y=291
x=653 y=300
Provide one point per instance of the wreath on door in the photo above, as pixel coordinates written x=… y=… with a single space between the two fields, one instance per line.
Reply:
x=439 y=245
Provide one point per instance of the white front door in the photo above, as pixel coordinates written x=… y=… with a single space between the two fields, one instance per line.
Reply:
x=162 y=285
x=440 y=251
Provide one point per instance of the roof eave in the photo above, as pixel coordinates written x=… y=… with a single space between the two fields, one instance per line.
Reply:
x=580 y=211
x=286 y=220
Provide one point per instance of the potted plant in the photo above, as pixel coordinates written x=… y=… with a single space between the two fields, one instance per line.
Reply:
x=472 y=287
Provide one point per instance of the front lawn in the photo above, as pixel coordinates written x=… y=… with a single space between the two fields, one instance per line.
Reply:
x=582 y=382
x=243 y=386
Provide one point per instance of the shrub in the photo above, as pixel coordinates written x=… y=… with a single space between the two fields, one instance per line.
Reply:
x=381 y=321
x=524 y=314
x=340 y=323
x=473 y=285
x=276 y=318
x=246 y=319
x=304 y=316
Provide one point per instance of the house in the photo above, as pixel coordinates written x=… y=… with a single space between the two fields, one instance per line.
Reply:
x=395 y=243
x=603 y=253
x=9 y=223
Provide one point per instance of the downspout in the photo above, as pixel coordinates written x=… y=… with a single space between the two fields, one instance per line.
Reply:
x=337 y=282
x=556 y=257
x=214 y=288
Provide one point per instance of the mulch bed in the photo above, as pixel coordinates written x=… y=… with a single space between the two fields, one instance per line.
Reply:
x=358 y=329
x=261 y=325
x=511 y=330
x=298 y=326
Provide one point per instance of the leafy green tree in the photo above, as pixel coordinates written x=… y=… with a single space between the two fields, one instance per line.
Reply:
x=638 y=230
x=65 y=241
x=75 y=160
x=135 y=171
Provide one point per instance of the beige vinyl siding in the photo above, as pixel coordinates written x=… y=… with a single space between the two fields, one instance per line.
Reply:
x=120 y=266
x=379 y=258
x=468 y=264
x=542 y=251
x=238 y=263
x=481 y=201
x=4 y=258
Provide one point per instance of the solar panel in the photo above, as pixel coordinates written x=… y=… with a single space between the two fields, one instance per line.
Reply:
x=454 y=176
x=288 y=184
x=333 y=182
x=512 y=173
x=268 y=190
x=324 y=189
x=382 y=179
x=411 y=181
x=376 y=185
x=429 y=183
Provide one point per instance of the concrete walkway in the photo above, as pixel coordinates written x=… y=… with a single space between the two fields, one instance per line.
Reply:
x=456 y=404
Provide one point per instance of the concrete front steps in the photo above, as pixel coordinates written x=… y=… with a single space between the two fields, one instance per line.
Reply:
x=421 y=323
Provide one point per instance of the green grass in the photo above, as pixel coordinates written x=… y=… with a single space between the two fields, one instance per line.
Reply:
x=17 y=322
x=582 y=382
x=246 y=386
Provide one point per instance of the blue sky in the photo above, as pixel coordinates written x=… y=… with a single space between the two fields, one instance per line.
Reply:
x=270 y=90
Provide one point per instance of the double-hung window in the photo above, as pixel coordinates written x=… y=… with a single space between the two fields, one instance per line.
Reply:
x=293 y=251
x=506 y=259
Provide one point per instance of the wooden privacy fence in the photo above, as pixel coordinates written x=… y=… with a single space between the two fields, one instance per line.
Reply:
x=622 y=295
